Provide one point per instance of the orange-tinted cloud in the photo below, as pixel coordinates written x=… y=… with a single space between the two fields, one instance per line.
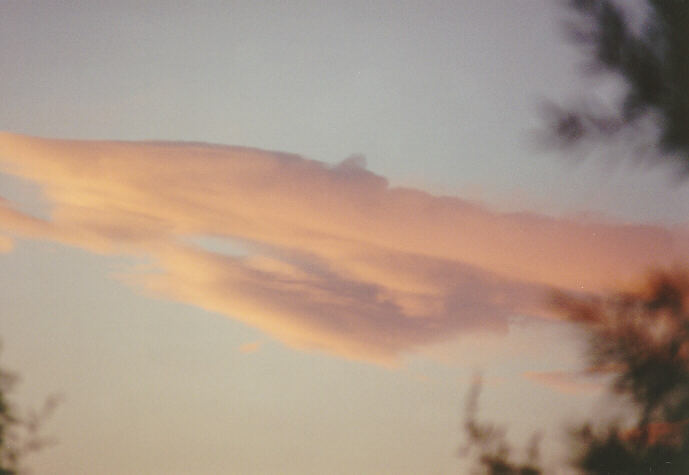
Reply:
x=334 y=258
x=6 y=244
x=568 y=382
x=251 y=347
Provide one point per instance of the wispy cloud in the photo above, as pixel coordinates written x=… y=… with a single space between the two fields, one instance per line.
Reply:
x=251 y=347
x=333 y=258
x=6 y=244
x=568 y=382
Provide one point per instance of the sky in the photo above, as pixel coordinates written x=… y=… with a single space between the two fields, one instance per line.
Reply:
x=283 y=237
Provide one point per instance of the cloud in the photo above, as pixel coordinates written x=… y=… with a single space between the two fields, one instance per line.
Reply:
x=567 y=382
x=333 y=258
x=6 y=244
x=251 y=347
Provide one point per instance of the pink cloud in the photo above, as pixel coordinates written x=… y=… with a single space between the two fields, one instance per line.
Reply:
x=567 y=382
x=251 y=347
x=6 y=244
x=336 y=259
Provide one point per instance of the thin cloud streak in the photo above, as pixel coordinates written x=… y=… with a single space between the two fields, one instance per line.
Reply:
x=567 y=382
x=6 y=244
x=249 y=348
x=336 y=259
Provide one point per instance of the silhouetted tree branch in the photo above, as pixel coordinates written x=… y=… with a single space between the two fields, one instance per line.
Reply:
x=653 y=63
x=642 y=337
x=486 y=444
x=20 y=435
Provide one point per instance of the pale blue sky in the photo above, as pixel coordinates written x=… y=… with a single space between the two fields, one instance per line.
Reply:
x=442 y=96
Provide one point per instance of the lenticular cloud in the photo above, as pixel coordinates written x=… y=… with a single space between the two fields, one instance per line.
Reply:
x=330 y=258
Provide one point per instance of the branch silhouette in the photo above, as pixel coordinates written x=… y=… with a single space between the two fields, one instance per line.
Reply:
x=642 y=337
x=653 y=65
x=20 y=435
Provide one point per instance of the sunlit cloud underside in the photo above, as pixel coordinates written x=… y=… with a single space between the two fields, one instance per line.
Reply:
x=333 y=258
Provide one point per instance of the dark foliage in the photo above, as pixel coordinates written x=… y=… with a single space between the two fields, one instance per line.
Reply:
x=487 y=445
x=8 y=455
x=642 y=338
x=652 y=61
x=19 y=435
